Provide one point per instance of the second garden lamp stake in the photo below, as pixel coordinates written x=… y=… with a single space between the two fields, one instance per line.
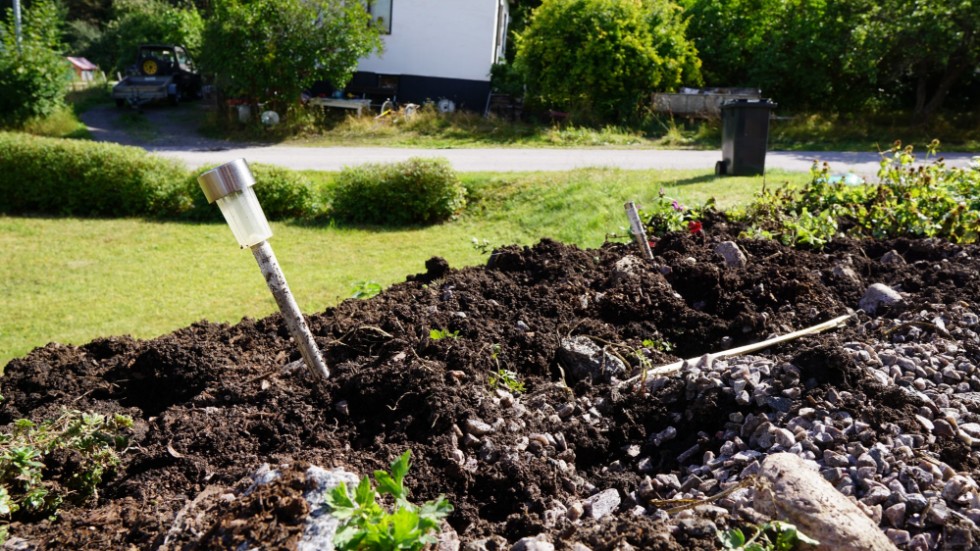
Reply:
x=230 y=185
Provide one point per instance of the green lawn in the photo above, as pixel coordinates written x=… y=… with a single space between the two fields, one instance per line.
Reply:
x=71 y=280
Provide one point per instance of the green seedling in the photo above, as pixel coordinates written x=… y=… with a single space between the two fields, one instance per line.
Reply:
x=366 y=525
x=439 y=334
x=503 y=377
x=365 y=289
x=93 y=439
x=771 y=536
x=658 y=344
x=507 y=379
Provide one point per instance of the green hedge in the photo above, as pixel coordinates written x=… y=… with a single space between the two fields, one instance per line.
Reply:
x=83 y=178
x=416 y=191
x=283 y=194
x=60 y=177
x=72 y=177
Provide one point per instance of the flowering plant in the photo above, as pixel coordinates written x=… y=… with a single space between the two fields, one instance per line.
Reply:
x=669 y=215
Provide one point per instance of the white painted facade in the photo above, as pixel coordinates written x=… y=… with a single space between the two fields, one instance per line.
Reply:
x=457 y=39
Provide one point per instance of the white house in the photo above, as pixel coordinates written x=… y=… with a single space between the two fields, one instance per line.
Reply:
x=434 y=50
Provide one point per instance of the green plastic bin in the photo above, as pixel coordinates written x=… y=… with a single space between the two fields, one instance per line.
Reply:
x=744 y=137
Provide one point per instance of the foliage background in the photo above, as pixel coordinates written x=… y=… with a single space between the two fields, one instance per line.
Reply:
x=271 y=50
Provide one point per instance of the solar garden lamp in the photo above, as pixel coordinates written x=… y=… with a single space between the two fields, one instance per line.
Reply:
x=230 y=185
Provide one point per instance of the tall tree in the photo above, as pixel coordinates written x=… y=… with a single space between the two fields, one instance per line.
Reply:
x=272 y=50
x=138 y=22
x=34 y=74
x=930 y=46
x=601 y=59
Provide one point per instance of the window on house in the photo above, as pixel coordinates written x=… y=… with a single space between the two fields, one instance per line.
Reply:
x=380 y=10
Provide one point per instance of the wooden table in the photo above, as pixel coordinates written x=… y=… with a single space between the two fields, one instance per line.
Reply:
x=356 y=104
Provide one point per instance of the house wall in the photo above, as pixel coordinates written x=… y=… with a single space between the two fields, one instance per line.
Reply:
x=454 y=39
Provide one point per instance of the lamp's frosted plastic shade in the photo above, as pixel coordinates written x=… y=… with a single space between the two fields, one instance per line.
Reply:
x=230 y=185
x=244 y=215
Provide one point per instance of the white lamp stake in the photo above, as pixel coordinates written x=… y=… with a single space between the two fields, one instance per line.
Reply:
x=230 y=185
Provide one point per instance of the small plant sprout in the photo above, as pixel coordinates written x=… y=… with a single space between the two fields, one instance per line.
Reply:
x=230 y=185
x=503 y=377
x=481 y=246
x=365 y=289
x=772 y=536
x=366 y=525
x=658 y=344
x=94 y=441
x=439 y=334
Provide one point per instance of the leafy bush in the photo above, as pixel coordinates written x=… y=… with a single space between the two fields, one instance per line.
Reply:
x=417 y=191
x=82 y=178
x=282 y=193
x=601 y=58
x=927 y=200
x=72 y=177
x=92 y=440
x=285 y=193
x=366 y=525
x=34 y=75
x=271 y=50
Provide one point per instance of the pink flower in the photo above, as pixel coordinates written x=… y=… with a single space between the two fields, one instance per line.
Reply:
x=694 y=226
x=676 y=206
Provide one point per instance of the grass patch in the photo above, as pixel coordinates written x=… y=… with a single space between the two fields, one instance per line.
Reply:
x=70 y=280
x=430 y=129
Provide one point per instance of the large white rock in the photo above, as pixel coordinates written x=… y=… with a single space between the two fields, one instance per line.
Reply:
x=878 y=295
x=798 y=494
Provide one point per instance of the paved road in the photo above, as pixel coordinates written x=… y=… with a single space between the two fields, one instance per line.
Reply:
x=506 y=159
x=174 y=136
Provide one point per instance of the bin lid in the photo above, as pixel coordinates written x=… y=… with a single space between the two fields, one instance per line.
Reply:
x=742 y=103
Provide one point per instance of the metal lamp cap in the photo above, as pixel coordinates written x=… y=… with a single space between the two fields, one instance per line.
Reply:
x=226 y=179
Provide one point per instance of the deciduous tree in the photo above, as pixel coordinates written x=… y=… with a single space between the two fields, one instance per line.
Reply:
x=601 y=59
x=271 y=50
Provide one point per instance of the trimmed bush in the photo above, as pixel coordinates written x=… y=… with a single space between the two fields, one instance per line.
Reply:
x=282 y=193
x=417 y=191
x=81 y=178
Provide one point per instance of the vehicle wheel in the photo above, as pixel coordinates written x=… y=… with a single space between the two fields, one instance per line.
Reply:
x=174 y=98
x=120 y=102
x=720 y=168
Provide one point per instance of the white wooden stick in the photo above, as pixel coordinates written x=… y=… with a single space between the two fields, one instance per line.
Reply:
x=639 y=233
x=676 y=366
x=290 y=310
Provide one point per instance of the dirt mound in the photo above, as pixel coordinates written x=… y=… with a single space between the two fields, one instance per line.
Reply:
x=213 y=402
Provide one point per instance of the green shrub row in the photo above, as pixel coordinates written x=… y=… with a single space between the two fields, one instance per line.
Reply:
x=71 y=177
x=416 y=191
x=52 y=176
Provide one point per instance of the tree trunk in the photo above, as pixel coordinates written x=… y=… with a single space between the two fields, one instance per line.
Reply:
x=926 y=108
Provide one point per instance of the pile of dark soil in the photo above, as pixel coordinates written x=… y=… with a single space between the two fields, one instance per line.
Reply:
x=213 y=402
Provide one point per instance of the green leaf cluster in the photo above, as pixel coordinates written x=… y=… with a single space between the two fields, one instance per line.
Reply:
x=665 y=214
x=910 y=200
x=439 y=334
x=772 y=536
x=94 y=441
x=366 y=525
x=34 y=74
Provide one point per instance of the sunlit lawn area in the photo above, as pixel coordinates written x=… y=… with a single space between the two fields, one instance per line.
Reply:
x=71 y=280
